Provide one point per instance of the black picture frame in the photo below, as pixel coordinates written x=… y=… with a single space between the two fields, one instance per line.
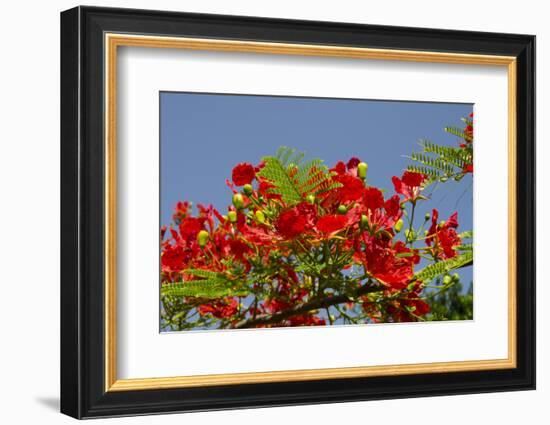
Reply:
x=83 y=392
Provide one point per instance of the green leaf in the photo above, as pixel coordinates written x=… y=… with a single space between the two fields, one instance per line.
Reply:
x=205 y=288
x=204 y=273
x=466 y=235
x=294 y=180
x=432 y=271
x=456 y=132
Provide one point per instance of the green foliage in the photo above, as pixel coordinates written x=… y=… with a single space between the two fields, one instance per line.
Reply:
x=428 y=273
x=214 y=285
x=458 y=133
x=441 y=163
x=455 y=131
x=294 y=180
x=452 y=304
x=469 y=234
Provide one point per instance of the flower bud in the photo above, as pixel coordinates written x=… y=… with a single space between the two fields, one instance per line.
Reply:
x=456 y=277
x=310 y=199
x=247 y=189
x=427 y=216
x=362 y=168
x=364 y=220
x=260 y=217
x=398 y=226
x=202 y=238
x=232 y=216
x=447 y=279
x=238 y=201
x=342 y=209
x=410 y=235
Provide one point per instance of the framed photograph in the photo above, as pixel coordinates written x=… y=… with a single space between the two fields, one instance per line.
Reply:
x=261 y=212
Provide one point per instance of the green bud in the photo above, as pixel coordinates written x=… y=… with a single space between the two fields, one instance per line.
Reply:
x=447 y=279
x=247 y=189
x=310 y=199
x=202 y=238
x=443 y=179
x=442 y=223
x=427 y=216
x=232 y=215
x=342 y=209
x=410 y=234
x=364 y=221
x=456 y=277
x=238 y=201
x=362 y=168
x=260 y=217
x=398 y=226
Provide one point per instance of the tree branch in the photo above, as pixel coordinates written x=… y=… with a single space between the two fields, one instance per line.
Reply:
x=314 y=304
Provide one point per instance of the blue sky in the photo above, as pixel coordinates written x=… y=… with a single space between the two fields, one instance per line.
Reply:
x=204 y=135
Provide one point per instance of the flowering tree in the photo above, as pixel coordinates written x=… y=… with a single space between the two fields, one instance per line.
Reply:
x=302 y=244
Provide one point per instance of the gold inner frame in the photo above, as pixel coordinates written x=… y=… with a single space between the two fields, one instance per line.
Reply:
x=113 y=41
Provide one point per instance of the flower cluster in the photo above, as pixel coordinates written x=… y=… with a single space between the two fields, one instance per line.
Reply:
x=301 y=244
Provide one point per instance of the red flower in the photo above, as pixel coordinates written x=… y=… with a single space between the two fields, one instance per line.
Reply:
x=172 y=258
x=181 y=211
x=468 y=168
x=309 y=211
x=351 y=189
x=306 y=320
x=381 y=260
x=409 y=185
x=332 y=223
x=352 y=166
x=443 y=237
x=339 y=168
x=291 y=223
x=373 y=198
x=220 y=309
x=243 y=173
x=392 y=207
x=239 y=248
x=409 y=308
x=190 y=227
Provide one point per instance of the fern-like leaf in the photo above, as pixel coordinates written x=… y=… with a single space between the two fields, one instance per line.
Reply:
x=204 y=288
x=428 y=273
x=207 y=274
x=294 y=180
x=456 y=132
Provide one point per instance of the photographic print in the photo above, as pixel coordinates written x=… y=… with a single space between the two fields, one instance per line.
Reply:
x=288 y=211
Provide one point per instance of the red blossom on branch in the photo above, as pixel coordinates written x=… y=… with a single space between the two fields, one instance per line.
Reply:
x=243 y=173
x=292 y=255
x=409 y=185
